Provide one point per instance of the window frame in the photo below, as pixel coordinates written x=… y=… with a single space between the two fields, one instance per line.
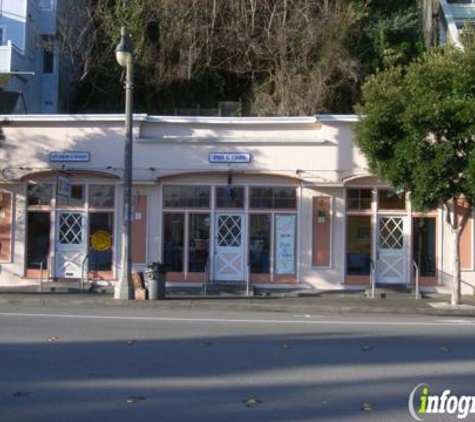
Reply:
x=218 y=208
x=41 y=207
x=389 y=210
x=184 y=239
x=272 y=208
x=102 y=207
x=185 y=207
x=187 y=238
x=83 y=206
x=359 y=199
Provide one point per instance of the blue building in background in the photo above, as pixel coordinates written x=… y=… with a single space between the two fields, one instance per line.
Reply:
x=32 y=78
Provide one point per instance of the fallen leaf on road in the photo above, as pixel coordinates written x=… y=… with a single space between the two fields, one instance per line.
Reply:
x=365 y=348
x=252 y=402
x=130 y=342
x=52 y=339
x=367 y=407
x=284 y=346
x=445 y=349
x=134 y=399
x=206 y=343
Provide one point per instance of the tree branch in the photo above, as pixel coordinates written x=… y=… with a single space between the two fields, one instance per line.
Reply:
x=448 y=216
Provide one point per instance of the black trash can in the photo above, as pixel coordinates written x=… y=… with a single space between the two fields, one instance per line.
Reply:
x=155 y=276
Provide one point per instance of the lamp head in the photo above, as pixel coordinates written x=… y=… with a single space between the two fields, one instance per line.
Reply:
x=123 y=51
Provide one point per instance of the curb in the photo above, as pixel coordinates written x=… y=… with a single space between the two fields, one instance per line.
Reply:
x=241 y=305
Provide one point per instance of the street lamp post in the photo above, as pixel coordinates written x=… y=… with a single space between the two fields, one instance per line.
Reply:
x=124 y=56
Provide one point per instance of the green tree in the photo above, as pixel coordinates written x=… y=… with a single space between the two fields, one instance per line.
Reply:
x=417 y=131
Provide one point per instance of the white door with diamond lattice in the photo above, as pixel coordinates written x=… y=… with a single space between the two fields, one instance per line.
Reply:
x=391 y=253
x=229 y=247
x=70 y=243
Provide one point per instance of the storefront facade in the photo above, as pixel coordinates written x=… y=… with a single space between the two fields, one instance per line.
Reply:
x=277 y=201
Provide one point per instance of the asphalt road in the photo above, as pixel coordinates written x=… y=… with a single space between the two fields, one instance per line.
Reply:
x=150 y=365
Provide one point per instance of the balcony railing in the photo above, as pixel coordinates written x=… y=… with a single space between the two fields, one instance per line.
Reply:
x=11 y=58
x=6 y=52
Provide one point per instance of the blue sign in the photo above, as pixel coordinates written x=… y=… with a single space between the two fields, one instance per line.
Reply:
x=230 y=157
x=70 y=156
x=64 y=186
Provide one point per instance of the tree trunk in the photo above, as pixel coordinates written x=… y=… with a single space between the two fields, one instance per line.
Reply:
x=456 y=279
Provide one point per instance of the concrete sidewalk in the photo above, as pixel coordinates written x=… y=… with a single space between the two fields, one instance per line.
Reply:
x=341 y=304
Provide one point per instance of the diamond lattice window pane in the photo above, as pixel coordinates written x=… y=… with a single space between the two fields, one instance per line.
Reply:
x=391 y=233
x=229 y=231
x=70 y=229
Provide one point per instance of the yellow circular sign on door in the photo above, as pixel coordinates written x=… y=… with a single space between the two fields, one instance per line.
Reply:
x=101 y=241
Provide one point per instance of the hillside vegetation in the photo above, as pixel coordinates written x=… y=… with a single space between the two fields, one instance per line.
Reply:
x=278 y=57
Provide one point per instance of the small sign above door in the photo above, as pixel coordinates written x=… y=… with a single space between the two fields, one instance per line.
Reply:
x=230 y=157
x=64 y=186
x=70 y=156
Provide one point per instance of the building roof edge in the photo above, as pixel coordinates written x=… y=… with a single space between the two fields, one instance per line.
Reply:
x=45 y=118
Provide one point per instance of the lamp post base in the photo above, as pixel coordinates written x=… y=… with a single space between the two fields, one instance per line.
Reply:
x=122 y=291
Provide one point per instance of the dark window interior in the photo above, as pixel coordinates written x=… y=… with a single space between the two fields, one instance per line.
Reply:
x=424 y=245
x=259 y=248
x=38 y=240
x=174 y=225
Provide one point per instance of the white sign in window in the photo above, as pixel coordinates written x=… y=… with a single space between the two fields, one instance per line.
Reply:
x=285 y=244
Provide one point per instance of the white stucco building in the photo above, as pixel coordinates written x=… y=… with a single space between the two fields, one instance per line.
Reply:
x=286 y=201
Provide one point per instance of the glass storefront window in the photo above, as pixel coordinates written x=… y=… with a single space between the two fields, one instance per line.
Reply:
x=101 y=196
x=358 y=245
x=389 y=200
x=273 y=198
x=174 y=226
x=358 y=199
x=198 y=247
x=285 y=198
x=186 y=196
x=259 y=248
x=423 y=230
x=229 y=197
x=261 y=198
x=39 y=194
x=101 y=230
x=76 y=199
x=38 y=240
